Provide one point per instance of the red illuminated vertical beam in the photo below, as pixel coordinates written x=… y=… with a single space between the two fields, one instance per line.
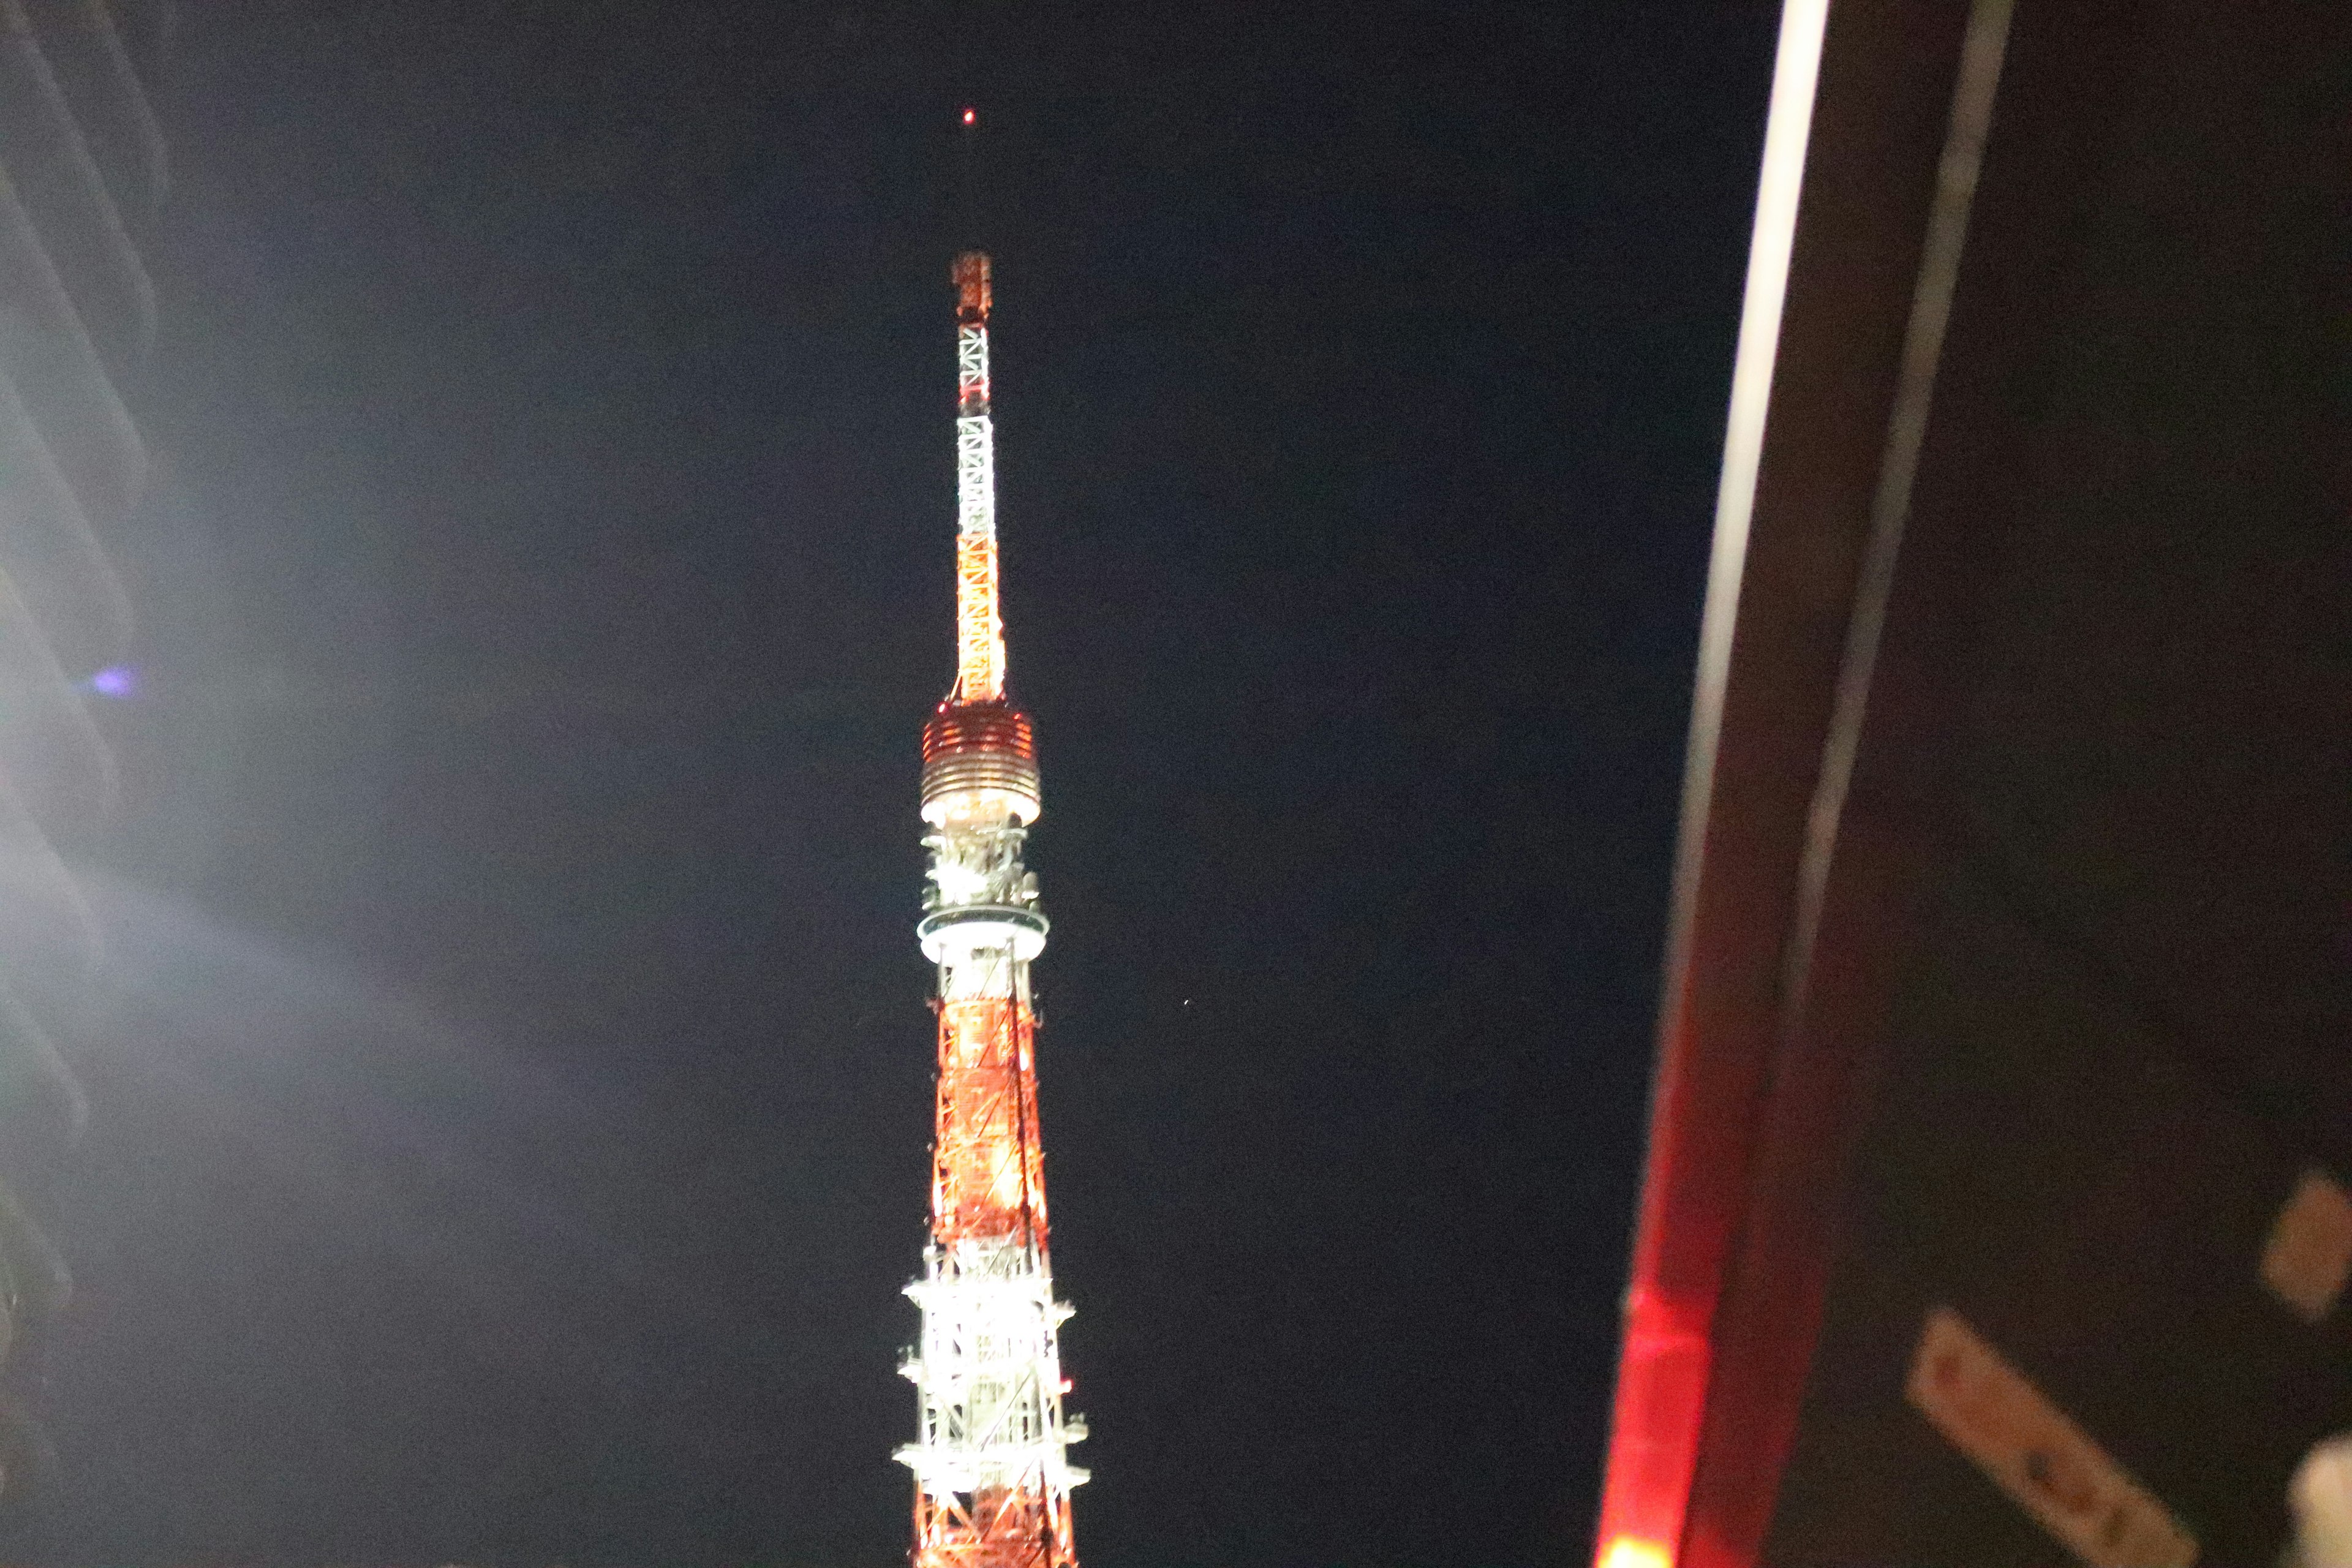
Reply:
x=1713 y=1050
x=1787 y=904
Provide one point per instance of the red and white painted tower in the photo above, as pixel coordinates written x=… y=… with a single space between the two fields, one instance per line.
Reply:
x=993 y=1476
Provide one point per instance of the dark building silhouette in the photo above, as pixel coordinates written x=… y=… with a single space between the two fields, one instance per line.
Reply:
x=1999 y=1205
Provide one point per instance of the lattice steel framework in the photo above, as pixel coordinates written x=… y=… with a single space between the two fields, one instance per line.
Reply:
x=980 y=629
x=993 y=1476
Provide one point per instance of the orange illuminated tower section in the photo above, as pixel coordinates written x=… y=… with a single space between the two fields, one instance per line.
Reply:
x=993 y=1478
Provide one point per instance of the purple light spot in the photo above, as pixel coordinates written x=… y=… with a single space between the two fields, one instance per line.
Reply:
x=115 y=681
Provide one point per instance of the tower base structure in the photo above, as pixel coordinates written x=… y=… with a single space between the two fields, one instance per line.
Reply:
x=992 y=1478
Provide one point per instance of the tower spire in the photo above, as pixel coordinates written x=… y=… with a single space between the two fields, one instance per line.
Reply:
x=993 y=1476
x=980 y=627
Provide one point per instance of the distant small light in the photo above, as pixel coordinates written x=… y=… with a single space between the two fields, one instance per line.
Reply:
x=967 y=117
x=115 y=681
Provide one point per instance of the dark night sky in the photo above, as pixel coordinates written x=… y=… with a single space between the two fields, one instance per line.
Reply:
x=509 y=1125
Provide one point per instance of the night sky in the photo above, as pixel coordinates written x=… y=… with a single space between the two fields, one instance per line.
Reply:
x=510 y=1093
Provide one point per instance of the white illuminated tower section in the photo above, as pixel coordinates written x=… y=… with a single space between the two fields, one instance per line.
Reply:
x=993 y=1476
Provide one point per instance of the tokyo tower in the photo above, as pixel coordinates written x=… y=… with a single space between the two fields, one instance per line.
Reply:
x=993 y=1476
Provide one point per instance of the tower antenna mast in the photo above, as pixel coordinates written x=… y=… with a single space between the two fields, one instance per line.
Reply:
x=980 y=626
x=993 y=1478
